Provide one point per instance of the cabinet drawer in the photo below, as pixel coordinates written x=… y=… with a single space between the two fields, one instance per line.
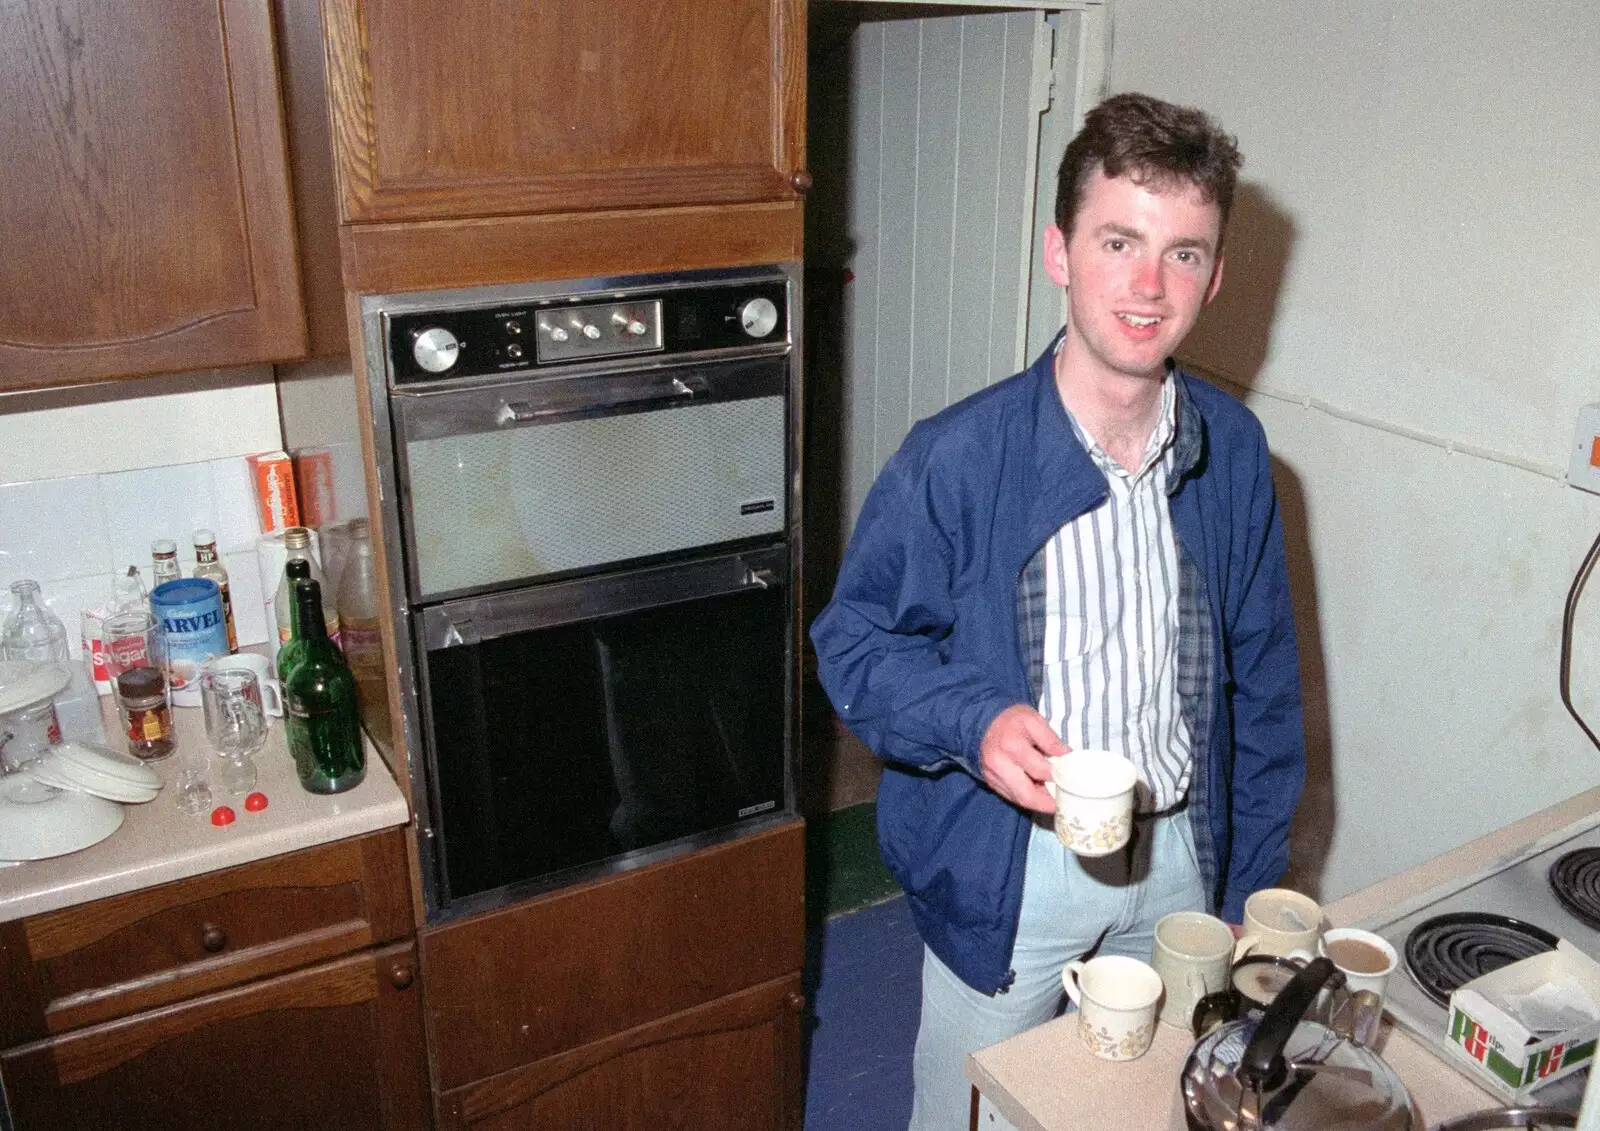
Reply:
x=116 y=956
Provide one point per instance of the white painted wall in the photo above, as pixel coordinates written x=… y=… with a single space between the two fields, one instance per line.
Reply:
x=1415 y=245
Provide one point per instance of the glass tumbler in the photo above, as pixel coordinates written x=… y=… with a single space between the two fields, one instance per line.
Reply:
x=236 y=724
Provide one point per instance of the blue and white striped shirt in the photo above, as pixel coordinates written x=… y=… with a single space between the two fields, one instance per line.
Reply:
x=1108 y=661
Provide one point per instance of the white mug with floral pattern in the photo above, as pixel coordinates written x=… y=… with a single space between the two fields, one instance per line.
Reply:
x=1093 y=792
x=1116 y=999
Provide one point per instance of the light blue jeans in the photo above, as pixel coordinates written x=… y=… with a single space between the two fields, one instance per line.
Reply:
x=1071 y=905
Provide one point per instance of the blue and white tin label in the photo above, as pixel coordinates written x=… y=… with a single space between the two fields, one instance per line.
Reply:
x=190 y=622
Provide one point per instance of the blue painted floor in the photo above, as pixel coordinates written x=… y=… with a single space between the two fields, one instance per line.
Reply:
x=864 y=975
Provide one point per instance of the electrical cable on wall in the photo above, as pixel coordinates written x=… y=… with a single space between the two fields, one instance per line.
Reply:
x=1567 y=619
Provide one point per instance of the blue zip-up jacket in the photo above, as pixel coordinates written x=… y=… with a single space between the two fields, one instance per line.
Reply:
x=919 y=648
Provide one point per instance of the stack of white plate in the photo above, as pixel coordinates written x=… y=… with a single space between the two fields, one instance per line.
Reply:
x=84 y=768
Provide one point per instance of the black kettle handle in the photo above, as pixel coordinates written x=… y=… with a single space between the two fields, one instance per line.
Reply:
x=1262 y=1065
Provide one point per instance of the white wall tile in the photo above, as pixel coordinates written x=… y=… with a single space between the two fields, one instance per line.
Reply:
x=244 y=587
x=234 y=504
x=157 y=502
x=53 y=528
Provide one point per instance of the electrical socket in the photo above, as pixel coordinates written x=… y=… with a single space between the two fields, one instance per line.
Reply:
x=1583 y=471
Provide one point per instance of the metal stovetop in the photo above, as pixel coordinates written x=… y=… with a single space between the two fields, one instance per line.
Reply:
x=1516 y=885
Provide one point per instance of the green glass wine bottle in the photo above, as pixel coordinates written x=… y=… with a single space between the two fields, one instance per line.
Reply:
x=297 y=569
x=320 y=716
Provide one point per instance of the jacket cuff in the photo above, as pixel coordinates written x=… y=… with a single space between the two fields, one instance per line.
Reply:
x=980 y=717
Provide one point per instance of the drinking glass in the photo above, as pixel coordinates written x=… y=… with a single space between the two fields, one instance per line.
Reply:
x=128 y=640
x=236 y=724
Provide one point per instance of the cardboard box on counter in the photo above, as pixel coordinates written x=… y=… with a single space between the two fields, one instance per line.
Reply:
x=277 y=505
x=1510 y=1059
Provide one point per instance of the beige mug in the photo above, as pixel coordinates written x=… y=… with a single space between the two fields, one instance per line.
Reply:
x=1116 y=998
x=1365 y=959
x=1093 y=792
x=1193 y=953
x=1278 y=921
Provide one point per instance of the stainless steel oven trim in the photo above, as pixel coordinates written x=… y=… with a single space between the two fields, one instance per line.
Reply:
x=424 y=799
x=425 y=802
x=473 y=620
x=728 y=379
x=618 y=287
x=477 y=408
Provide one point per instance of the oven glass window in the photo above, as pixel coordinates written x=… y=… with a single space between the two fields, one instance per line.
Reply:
x=562 y=747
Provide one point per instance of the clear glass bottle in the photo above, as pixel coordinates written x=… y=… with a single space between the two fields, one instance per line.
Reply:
x=297 y=544
x=32 y=631
x=320 y=715
x=128 y=594
x=209 y=566
x=361 y=639
x=164 y=562
x=296 y=569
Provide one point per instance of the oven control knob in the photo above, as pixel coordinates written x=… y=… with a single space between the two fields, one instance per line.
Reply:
x=759 y=317
x=435 y=349
x=514 y=352
x=587 y=329
x=625 y=325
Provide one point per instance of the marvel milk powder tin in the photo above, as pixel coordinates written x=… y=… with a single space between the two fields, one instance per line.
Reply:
x=192 y=629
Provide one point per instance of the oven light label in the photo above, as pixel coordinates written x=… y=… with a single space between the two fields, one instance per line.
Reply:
x=751 y=810
x=758 y=506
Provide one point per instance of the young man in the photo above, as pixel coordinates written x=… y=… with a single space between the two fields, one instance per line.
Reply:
x=1087 y=555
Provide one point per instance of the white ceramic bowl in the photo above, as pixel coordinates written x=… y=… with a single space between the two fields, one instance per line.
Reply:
x=37 y=822
x=24 y=683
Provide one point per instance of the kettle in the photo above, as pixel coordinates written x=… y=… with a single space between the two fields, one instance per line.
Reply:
x=1284 y=1073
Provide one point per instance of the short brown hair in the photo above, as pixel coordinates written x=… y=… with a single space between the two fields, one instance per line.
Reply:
x=1152 y=142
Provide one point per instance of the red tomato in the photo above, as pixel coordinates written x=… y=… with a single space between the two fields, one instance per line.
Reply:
x=256 y=802
x=222 y=815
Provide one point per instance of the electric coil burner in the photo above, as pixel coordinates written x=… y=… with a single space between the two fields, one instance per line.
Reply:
x=1575 y=879
x=1478 y=923
x=1448 y=951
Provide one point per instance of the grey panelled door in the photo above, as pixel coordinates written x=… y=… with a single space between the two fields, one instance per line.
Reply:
x=943 y=123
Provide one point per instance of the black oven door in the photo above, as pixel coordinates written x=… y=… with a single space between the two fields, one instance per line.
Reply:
x=587 y=726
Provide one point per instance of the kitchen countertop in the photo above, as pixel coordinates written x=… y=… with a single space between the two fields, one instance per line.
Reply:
x=1044 y=1080
x=158 y=843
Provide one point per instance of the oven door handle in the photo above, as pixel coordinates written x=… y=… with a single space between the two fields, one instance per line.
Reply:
x=522 y=412
x=472 y=620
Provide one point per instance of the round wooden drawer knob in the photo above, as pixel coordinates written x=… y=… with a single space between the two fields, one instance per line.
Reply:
x=213 y=937
x=796 y=1002
x=400 y=975
x=801 y=182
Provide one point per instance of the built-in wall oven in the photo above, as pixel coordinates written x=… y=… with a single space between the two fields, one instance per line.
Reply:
x=590 y=511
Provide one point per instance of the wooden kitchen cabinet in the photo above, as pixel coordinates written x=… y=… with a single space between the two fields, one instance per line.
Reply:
x=282 y=993
x=666 y=997
x=144 y=195
x=446 y=109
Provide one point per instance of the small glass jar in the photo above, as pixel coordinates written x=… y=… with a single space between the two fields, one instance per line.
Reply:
x=146 y=717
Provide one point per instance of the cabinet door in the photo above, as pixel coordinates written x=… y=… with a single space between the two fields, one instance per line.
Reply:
x=144 y=202
x=729 y=1065
x=337 y=1046
x=480 y=107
